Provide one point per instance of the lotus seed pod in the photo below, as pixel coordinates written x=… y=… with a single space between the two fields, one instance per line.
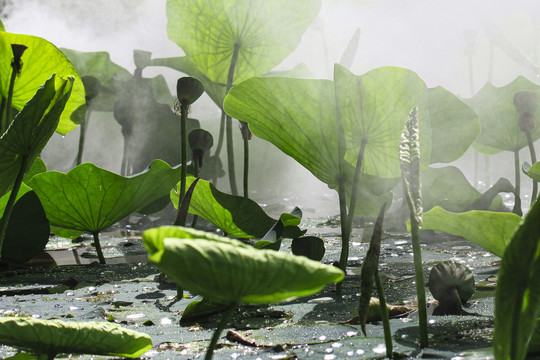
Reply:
x=188 y=90
x=141 y=58
x=526 y=122
x=525 y=102
x=452 y=284
x=200 y=141
x=92 y=87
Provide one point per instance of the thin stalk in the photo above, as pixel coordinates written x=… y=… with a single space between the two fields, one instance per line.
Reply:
x=419 y=279
x=215 y=337
x=245 y=137
x=228 y=125
x=3 y=121
x=98 y=248
x=196 y=173
x=124 y=166
x=533 y=160
x=11 y=201
x=82 y=135
x=219 y=145
x=345 y=233
x=7 y=119
x=357 y=171
x=517 y=187
x=384 y=317
x=183 y=171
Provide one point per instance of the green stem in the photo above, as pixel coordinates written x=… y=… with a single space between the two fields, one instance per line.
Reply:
x=384 y=317
x=183 y=170
x=517 y=197
x=7 y=119
x=245 y=137
x=11 y=201
x=228 y=127
x=215 y=337
x=196 y=171
x=419 y=279
x=124 y=166
x=98 y=248
x=219 y=146
x=3 y=121
x=82 y=135
x=533 y=160
x=357 y=171
x=345 y=233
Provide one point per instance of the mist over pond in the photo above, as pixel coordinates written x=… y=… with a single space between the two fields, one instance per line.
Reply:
x=430 y=38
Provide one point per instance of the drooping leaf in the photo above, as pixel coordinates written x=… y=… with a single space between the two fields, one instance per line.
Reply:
x=28 y=229
x=89 y=198
x=491 y=231
x=499 y=117
x=262 y=32
x=31 y=129
x=452 y=284
x=517 y=296
x=52 y=337
x=40 y=61
x=238 y=216
x=272 y=239
x=532 y=171
x=227 y=271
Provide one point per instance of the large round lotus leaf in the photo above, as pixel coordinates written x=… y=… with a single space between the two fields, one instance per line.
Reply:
x=40 y=60
x=51 y=337
x=227 y=271
x=263 y=32
x=499 y=117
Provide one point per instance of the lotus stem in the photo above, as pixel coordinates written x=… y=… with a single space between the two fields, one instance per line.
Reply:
x=219 y=144
x=184 y=149
x=215 y=337
x=384 y=317
x=245 y=138
x=125 y=156
x=3 y=120
x=196 y=171
x=533 y=160
x=228 y=125
x=517 y=197
x=11 y=201
x=345 y=233
x=98 y=248
x=82 y=135
x=357 y=171
x=16 y=66
x=419 y=279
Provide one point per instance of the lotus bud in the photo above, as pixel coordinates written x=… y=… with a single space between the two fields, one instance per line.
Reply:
x=18 y=51
x=188 y=90
x=200 y=141
x=525 y=102
x=92 y=87
x=452 y=284
x=141 y=58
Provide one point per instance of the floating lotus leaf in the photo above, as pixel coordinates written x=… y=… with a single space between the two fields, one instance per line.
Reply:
x=228 y=271
x=52 y=337
x=40 y=60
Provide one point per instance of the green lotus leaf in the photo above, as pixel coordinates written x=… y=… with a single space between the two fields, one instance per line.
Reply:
x=89 y=198
x=262 y=33
x=37 y=167
x=499 y=118
x=52 y=337
x=517 y=295
x=491 y=231
x=238 y=216
x=2 y=28
x=227 y=271
x=31 y=129
x=532 y=171
x=448 y=188
x=40 y=60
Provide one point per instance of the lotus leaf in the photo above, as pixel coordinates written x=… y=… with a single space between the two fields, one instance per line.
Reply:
x=499 y=118
x=491 y=231
x=532 y=171
x=228 y=271
x=89 y=198
x=262 y=33
x=31 y=129
x=51 y=337
x=41 y=60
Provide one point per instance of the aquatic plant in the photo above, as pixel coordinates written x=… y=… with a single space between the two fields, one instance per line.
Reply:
x=89 y=198
x=48 y=338
x=452 y=284
x=196 y=261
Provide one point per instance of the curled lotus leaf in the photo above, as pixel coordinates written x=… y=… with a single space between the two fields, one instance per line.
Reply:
x=228 y=271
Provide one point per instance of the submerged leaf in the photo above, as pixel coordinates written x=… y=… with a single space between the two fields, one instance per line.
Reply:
x=51 y=337
x=227 y=271
x=517 y=296
x=89 y=198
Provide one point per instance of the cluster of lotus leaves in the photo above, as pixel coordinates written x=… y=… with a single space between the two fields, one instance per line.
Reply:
x=230 y=272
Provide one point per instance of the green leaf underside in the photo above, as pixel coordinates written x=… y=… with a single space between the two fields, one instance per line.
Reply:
x=532 y=171
x=517 y=296
x=491 y=231
x=31 y=129
x=51 y=337
x=228 y=271
x=89 y=198
x=40 y=60
x=265 y=31
x=499 y=118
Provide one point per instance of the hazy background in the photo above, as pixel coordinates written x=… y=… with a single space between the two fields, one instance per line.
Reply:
x=429 y=37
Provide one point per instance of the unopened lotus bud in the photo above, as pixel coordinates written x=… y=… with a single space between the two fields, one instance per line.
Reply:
x=525 y=102
x=18 y=51
x=92 y=87
x=526 y=122
x=188 y=90
x=200 y=141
